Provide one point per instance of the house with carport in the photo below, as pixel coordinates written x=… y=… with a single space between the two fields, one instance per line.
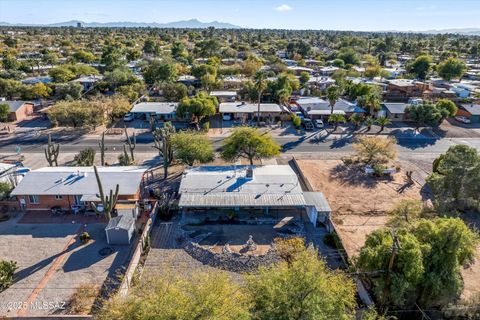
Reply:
x=245 y=111
x=248 y=193
x=159 y=110
x=71 y=188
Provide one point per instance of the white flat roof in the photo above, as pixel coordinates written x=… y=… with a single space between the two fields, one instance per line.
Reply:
x=245 y=107
x=80 y=180
x=155 y=107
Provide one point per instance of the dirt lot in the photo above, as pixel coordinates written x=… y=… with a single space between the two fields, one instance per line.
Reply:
x=359 y=207
x=359 y=203
x=352 y=192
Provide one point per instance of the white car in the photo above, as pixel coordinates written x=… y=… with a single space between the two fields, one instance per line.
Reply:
x=128 y=117
x=227 y=117
x=319 y=124
x=462 y=119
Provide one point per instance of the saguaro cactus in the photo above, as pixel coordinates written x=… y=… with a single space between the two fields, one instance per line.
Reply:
x=51 y=152
x=109 y=202
x=131 y=144
x=101 y=144
x=162 y=139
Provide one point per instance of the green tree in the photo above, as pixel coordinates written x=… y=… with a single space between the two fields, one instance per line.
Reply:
x=249 y=143
x=68 y=91
x=333 y=94
x=349 y=56
x=382 y=122
x=296 y=121
x=211 y=295
x=356 y=120
x=447 y=107
x=4 y=112
x=425 y=114
x=336 y=119
x=159 y=71
x=421 y=66
x=374 y=150
x=84 y=56
x=61 y=74
x=5 y=190
x=174 y=91
x=304 y=78
x=85 y=158
x=112 y=57
x=452 y=68
x=418 y=265
x=190 y=148
x=454 y=180
x=260 y=86
x=198 y=107
x=7 y=270
x=303 y=288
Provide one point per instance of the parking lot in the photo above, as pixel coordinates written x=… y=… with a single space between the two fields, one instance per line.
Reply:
x=52 y=264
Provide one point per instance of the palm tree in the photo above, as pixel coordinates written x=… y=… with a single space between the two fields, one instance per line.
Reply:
x=333 y=94
x=260 y=85
x=336 y=119
x=369 y=122
x=356 y=120
x=372 y=103
x=382 y=122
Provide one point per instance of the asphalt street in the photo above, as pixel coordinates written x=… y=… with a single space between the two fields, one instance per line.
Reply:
x=290 y=144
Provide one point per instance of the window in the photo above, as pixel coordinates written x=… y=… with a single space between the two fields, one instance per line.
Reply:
x=33 y=199
x=58 y=197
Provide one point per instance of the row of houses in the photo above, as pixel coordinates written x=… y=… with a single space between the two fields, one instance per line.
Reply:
x=257 y=193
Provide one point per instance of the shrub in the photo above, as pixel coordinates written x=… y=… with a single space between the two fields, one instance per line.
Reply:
x=7 y=270
x=85 y=237
x=289 y=248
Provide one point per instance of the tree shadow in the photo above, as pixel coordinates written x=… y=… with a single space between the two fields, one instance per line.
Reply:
x=355 y=176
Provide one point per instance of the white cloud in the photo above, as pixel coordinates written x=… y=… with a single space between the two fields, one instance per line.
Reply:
x=284 y=8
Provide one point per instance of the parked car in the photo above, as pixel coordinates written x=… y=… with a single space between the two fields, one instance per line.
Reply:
x=300 y=115
x=319 y=124
x=128 y=117
x=462 y=119
x=227 y=117
x=307 y=124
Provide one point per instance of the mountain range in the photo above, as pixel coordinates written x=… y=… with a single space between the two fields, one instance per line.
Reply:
x=185 y=24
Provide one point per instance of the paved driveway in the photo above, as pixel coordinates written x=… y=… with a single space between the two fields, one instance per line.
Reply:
x=52 y=264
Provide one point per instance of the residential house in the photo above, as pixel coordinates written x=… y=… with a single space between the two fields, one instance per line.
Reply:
x=297 y=70
x=252 y=193
x=395 y=111
x=19 y=110
x=404 y=89
x=245 y=111
x=224 y=96
x=471 y=111
x=66 y=187
x=315 y=107
x=88 y=82
x=159 y=110
x=328 y=70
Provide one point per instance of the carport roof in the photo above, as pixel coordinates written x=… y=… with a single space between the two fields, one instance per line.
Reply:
x=244 y=107
x=228 y=200
x=318 y=200
x=395 y=108
x=473 y=109
x=155 y=107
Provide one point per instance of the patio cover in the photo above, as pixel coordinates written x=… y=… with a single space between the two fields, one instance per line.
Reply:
x=229 y=200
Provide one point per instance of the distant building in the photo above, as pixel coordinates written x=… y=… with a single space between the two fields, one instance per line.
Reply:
x=19 y=110
x=79 y=24
x=471 y=111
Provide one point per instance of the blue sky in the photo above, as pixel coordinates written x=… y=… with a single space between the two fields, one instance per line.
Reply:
x=365 y=15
